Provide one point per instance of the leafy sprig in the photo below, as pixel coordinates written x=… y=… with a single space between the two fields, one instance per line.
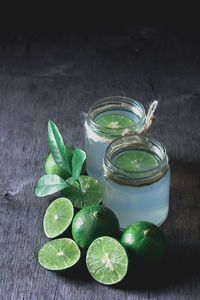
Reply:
x=57 y=147
x=72 y=165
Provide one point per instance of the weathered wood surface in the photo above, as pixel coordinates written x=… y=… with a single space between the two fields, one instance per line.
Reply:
x=57 y=77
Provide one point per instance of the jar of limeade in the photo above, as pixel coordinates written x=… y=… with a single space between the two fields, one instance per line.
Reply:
x=107 y=119
x=136 y=180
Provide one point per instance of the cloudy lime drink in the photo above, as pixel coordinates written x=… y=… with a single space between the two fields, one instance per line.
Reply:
x=107 y=119
x=136 y=180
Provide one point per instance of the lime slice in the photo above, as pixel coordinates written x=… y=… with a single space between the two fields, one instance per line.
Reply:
x=58 y=217
x=136 y=160
x=59 y=254
x=107 y=260
x=90 y=193
x=115 y=121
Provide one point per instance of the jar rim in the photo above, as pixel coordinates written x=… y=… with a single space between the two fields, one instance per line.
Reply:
x=138 y=177
x=113 y=100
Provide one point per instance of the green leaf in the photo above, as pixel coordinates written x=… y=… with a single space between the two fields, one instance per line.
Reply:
x=77 y=163
x=50 y=184
x=70 y=181
x=57 y=147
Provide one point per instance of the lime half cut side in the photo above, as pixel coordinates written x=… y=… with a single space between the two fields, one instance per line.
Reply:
x=59 y=254
x=58 y=217
x=107 y=260
x=88 y=192
x=136 y=160
x=116 y=121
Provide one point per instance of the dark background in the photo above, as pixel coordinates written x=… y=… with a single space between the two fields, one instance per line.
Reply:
x=47 y=73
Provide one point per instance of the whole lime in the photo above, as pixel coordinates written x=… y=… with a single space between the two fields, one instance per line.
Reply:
x=92 y=222
x=52 y=168
x=146 y=241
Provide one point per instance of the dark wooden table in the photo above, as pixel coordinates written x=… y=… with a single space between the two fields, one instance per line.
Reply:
x=57 y=76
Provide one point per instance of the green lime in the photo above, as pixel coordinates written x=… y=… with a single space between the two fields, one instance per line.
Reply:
x=91 y=192
x=58 y=217
x=115 y=121
x=59 y=254
x=92 y=222
x=146 y=241
x=136 y=160
x=52 y=168
x=107 y=260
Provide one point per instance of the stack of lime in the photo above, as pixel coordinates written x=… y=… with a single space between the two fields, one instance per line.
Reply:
x=94 y=228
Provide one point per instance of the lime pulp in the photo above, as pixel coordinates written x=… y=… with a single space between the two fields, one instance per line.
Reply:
x=115 y=121
x=107 y=260
x=136 y=160
x=58 y=217
x=87 y=192
x=59 y=254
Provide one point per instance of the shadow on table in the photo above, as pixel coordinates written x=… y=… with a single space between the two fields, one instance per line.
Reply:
x=185 y=177
x=78 y=273
x=181 y=264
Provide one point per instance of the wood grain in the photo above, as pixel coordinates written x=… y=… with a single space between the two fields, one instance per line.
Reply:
x=58 y=76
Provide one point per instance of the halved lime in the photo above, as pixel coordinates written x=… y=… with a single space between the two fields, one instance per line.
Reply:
x=58 y=217
x=59 y=254
x=116 y=121
x=52 y=168
x=107 y=260
x=87 y=193
x=92 y=222
x=136 y=160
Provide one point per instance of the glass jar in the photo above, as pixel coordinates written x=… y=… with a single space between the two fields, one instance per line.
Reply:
x=97 y=137
x=141 y=195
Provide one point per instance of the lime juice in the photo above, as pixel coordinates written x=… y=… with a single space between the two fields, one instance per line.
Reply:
x=107 y=120
x=136 y=180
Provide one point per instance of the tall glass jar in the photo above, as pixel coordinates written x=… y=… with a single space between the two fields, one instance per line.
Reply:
x=142 y=194
x=97 y=137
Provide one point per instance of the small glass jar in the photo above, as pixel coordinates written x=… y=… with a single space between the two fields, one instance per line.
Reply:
x=98 y=137
x=136 y=195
